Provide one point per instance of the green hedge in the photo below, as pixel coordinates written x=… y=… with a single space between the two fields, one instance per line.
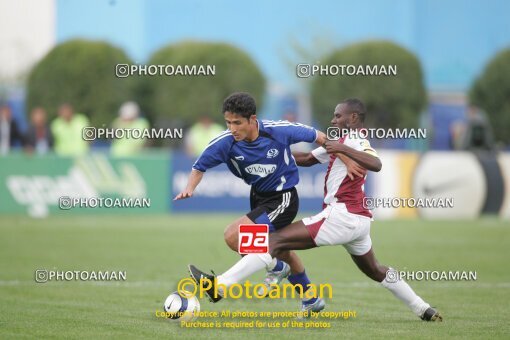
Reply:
x=392 y=101
x=188 y=97
x=82 y=73
x=491 y=92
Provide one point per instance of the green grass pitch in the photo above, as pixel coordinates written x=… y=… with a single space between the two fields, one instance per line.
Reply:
x=154 y=251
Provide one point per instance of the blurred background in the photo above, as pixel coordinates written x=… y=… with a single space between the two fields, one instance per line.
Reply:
x=57 y=76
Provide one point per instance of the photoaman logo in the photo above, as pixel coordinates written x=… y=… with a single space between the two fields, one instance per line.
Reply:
x=253 y=239
x=188 y=288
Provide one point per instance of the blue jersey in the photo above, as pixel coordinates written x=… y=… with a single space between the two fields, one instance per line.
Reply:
x=266 y=163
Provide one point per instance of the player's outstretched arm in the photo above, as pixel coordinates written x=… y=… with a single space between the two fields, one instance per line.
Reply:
x=195 y=177
x=308 y=159
x=321 y=138
x=364 y=159
x=304 y=158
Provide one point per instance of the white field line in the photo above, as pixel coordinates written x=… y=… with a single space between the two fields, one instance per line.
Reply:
x=361 y=284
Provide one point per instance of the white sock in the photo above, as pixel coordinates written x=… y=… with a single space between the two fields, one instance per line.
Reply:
x=246 y=266
x=406 y=294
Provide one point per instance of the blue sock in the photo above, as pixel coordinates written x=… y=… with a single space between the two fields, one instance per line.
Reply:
x=279 y=266
x=302 y=280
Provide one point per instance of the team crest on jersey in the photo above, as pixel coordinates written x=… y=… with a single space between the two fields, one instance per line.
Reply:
x=272 y=153
x=261 y=170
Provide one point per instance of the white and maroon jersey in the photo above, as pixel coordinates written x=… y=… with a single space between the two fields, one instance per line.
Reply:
x=338 y=187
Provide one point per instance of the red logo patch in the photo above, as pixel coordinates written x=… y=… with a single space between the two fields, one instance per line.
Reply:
x=253 y=239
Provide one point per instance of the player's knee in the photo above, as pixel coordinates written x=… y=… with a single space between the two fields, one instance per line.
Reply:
x=276 y=246
x=276 y=253
x=230 y=236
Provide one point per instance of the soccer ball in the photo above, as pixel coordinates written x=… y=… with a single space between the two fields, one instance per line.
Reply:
x=183 y=306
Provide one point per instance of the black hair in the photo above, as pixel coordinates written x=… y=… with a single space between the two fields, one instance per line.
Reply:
x=240 y=103
x=356 y=105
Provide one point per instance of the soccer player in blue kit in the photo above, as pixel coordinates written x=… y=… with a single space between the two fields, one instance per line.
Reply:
x=259 y=153
x=344 y=220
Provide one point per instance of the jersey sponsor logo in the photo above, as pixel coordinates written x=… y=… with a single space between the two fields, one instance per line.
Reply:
x=253 y=238
x=261 y=170
x=365 y=144
x=272 y=153
x=239 y=158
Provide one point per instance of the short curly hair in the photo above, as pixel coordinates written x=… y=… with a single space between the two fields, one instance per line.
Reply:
x=240 y=103
x=356 y=105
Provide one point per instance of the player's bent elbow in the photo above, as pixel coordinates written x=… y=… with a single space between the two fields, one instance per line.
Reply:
x=376 y=165
x=308 y=160
x=304 y=159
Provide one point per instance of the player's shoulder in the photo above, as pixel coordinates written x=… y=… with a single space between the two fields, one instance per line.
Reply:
x=281 y=125
x=224 y=138
x=359 y=143
x=355 y=141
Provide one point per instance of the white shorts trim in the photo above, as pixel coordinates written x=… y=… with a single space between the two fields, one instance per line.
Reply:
x=337 y=226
